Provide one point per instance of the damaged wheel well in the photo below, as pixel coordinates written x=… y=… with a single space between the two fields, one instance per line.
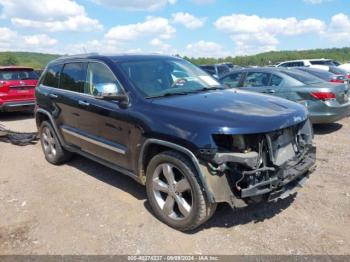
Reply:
x=149 y=152
x=41 y=117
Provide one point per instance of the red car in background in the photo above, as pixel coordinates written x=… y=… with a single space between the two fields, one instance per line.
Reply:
x=17 y=88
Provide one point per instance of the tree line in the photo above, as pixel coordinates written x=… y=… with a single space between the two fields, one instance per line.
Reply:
x=273 y=57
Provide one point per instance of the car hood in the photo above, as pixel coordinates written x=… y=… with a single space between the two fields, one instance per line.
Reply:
x=230 y=111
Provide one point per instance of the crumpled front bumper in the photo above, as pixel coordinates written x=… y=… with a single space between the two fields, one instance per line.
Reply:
x=285 y=181
x=288 y=177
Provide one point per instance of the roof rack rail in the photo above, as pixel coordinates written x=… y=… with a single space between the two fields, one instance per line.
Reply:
x=77 y=55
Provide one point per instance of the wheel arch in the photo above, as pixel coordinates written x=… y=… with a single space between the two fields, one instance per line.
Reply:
x=152 y=147
x=42 y=115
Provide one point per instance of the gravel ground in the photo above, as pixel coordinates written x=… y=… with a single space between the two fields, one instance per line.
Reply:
x=85 y=208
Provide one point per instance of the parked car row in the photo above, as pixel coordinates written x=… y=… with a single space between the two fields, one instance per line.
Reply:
x=326 y=102
x=192 y=140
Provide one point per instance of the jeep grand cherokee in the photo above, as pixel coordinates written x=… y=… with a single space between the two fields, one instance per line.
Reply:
x=173 y=128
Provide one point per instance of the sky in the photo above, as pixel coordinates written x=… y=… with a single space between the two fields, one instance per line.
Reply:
x=196 y=28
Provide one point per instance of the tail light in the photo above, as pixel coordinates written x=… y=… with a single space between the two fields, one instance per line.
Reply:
x=337 y=80
x=348 y=76
x=2 y=84
x=323 y=95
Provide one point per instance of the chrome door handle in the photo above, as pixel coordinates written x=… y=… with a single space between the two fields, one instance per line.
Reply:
x=53 y=96
x=83 y=103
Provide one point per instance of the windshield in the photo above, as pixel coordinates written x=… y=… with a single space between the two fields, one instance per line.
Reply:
x=160 y=77
x=18 y=75
x=303 y=77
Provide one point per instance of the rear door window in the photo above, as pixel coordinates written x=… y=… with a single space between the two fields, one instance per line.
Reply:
x=73 y=77
x=232 y=80
x=52 y=76
x=275 y=80
x=256 y=79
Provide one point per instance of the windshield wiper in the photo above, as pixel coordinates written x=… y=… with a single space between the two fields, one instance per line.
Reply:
x=204 y=89
x=168 y=94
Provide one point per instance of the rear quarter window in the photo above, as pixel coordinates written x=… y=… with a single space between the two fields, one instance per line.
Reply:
x=276 y=80
x=52 y=76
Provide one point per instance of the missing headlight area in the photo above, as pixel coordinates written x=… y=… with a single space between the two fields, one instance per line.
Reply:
x=257 y=164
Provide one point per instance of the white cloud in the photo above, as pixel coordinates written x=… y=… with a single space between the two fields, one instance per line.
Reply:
x=205 y=49
x=12 y=41
x=149 y=5
x=119 y=39
x=39 y=40
x=316 y=2
x=188 y=20
x=76 y=23
x=63 y=15
x=247 y=43
x=160 y=45
x=253 y=34
x=152 y=27
x=339 y=29
x=41 y=9
x=240 y=23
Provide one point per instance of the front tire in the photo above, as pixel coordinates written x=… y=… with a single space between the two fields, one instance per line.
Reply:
x=52 y=148
x=175 y=193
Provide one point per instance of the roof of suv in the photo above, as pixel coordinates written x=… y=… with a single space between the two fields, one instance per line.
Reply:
x=114 y=57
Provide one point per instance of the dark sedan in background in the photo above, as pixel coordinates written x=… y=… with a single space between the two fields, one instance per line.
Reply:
x=325 y=101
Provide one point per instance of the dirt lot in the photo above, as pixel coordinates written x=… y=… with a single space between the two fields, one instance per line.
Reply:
x=85 y=208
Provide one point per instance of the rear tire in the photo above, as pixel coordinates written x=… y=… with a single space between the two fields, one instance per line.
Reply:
x=52 y=148
x=175 y=193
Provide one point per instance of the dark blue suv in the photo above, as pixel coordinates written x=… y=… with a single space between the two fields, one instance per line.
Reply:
x=173 y=128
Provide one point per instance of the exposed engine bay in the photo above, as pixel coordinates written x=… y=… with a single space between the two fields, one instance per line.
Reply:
x=260 y=165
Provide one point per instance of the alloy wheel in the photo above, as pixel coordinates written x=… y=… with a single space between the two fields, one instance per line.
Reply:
x=49 y=142
x=172 y=191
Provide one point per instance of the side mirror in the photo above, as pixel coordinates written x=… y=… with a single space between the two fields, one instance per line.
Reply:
x=108 y=91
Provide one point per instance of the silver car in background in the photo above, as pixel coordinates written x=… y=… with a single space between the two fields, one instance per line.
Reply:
x=326 y=102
